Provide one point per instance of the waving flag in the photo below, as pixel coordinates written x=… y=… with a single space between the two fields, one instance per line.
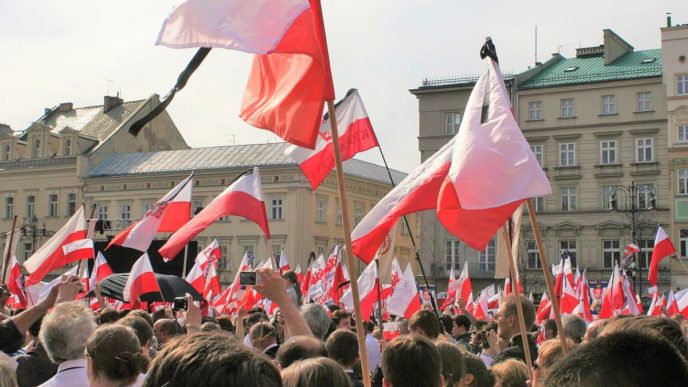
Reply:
x=614 y=296
x=290 y=79
x=196 y=278
x=211 y=253
x=15 y=282
x=355 y=135
x=101 y=270
x=141 y=280
x=244 y=197
x=283 y=262
x=662 y=249
x=405 y=300
x=367 y=291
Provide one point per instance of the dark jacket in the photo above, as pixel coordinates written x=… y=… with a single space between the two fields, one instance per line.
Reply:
x=35 y=367
x=515 y=350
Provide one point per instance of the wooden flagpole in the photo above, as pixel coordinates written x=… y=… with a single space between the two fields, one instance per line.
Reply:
x=6 y=259
x=517 y=295
x=89 y=235
x=360 y=331
x=186 y=255
x=548 y=278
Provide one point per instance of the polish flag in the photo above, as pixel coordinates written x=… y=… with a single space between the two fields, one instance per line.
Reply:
x=141 y=280
x=101 y=270
x=452 y=286
x=569 y=299
x=396 y=273
x=584 y=297
x=466 y=287
x=507 y=285
x=631 y=301
x=167 y=215
x=367 y=291
x=613 y=299
x=405 y=300
x=306 y=282
x=212 y=282
x=15 y=282
x=475 y=182
x=283 y=262
x=681 y=298
x=244 y=197
x=299 y=274
x=234 y=293
x=67 y=245
x=631 y=249
x=662 y=249
x=196 y=278
x=211 y=253
x=10 y=251
x=671 y=306
x=355 y=135
x=544 y=309
x=290 y=78
x=655 y=308
x=481 y=307
x=45 y=290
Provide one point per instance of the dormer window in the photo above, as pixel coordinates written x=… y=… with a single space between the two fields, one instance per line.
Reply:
x=36 y=149
x=67 y=146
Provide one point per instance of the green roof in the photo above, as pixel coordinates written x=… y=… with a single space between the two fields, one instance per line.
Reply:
x=591 y=69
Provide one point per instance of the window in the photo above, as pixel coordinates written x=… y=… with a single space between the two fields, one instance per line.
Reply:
x=645 y=195
x=535 y=110
x=569 y=247
x=452 y=121
x=568 y=109
x=608 y=152
x=339 y=218
x=452 y=254
x=71 y=203
x=125 y=213
x=682 y=133
x=321 y=210
x=607 y=192
x=644 y=101
x=683 y=242
x=9 y=207
x=644 y=150
x=67 y=147
x=147 y=206
x=358 y=212
x=611 y=253
x=645 y=253
x=276 y=209
x=196 y=206
x=568 y=198
x=567 y=155
x=682 y=181
x=682 y=84
x=277 y=252
x=102 y=211
x=248 y=250
x=539 y=203
x=486 y=258
x=533 y=255
x=224 y=218
x=222 y=264
x=538 y=151
x=36 y=149
x=6 y=152
x=404 y=228
x=608 y=104
x=52 y=205
x=28 y=250
x=30 y=206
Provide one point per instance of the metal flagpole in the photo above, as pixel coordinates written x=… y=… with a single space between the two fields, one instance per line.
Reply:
x=186 y=254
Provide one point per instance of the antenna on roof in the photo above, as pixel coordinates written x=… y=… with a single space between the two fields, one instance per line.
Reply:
x=536 y=45
x=108 y=85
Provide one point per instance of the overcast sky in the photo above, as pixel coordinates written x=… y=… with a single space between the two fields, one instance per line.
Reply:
x=78 y=51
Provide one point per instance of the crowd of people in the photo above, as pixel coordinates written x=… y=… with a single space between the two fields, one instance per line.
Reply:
x=62 y=342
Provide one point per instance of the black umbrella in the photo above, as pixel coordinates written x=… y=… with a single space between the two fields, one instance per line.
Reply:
x=171 y=287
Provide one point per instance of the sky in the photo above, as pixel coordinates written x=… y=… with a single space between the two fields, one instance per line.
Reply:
x=80 y=50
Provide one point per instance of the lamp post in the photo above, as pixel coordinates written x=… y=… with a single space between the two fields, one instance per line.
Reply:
x=632 y=191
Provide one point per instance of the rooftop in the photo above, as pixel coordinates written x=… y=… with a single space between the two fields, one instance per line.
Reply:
x=223 y=157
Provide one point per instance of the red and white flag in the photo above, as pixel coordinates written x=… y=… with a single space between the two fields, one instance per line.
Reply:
x=196 y=277
x=475 y=182
x=355 y=135
x=656 y=308
x=466 y=286
x=569 y=298
x=167 y=215
x=584 y=297
x=662 y=249
x=614 y=298
x=141 y=280
x=405 y=300
x=283 y=262
x=15 y=282
x=234 y=293
x=631 y=249
x=244 y=197
x=45 y=290
x=211 y=253
x=10 y=251
x=299 y=274
x=681 y=301
x=69 y=244
x=367 y=291
x=212 y=282
x=396 y=273
x=290 y=78
x=101 y=270
x=544 y=309
x=671 y=306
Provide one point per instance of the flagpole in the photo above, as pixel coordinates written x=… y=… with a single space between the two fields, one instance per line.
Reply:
x=519 y=307
x=548 y=280
x=186 y=254
x=413 y=240
x=378 y=285
x=79 y=273
x=6 y=260
x=360 y=332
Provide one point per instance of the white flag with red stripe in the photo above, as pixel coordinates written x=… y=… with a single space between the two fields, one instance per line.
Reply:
x=67 y=245
x=662 y=249
x=196 y=278
x=211 y=253
x=244 y=197
x=405 y=300
x=367 y=291
x=141 y=280
x=355 y=135
x=283 y=262
x=299 y=274
x=101 y=270
x=15 y=282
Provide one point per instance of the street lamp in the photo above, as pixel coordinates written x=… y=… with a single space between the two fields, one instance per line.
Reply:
x=632 y=192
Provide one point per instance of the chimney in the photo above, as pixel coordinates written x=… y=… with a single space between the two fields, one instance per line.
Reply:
x=668 y=19
x=110 y=103
x=65 y=107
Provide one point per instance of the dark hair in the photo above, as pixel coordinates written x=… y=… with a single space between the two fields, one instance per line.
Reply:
x=319 y=371
x=461 y=320
x=226 y=323
x=476 y=367
x=669 y=328
x=107 y=315
x=159 y=314
x=526 y=304
x=143 y=314
x=551 y=325
x=339 y=315
x=627 y=358
x=411 y=361
x=453 y=368
x=447 y=323
x=427 y=322
x=342 y=346
x=143 y=331
x=211 y=359
x=116 y=354
x=299 y=348
x=168 y=327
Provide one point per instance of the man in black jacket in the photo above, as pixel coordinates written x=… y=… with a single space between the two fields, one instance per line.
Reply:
x=509 y=330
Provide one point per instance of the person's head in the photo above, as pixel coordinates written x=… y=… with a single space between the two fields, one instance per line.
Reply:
x=594 y=329
x=550 y=329
x=461 y=325
x=446 y=323
x=669 y=328
x=317 y=319
x=291 y=277
x=627 y=358
x=262 y=335
x=143 y=314
x=114 y=355
x=411 y=361
x=342 y=346
x=210 y=326
x=341 y=319
x=226 y=324
x=8 y=377
x=426 y=323
x=210 y=359
x=165 y=329
x=453 y=368
x=477 y=374
x=315 y=372
x=143 y=331
x=549 y=353
x=108 y=315
x=507 y=319
x=161 y=313
x=574 y=327
x=510 y=373
x=65 y=330
x=299 y=348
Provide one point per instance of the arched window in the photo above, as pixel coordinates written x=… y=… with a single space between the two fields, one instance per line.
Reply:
x=36 y=149
x=67 y=147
